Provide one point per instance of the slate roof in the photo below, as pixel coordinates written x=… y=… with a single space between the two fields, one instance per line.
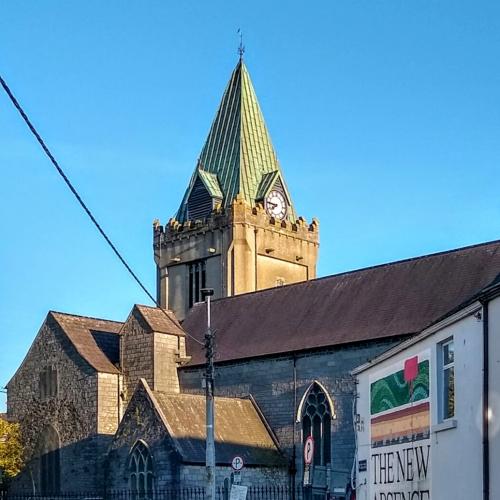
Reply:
x=238 y=150
x=160 y=321
x=400 y=298
x=240 y=429
x=93 y=338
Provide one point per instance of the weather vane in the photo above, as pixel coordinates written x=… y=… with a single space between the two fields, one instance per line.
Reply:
x=241 y=47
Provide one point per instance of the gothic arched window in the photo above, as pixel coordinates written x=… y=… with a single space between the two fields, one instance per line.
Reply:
x=141 y=472
x=48 y=451
x=316 y=422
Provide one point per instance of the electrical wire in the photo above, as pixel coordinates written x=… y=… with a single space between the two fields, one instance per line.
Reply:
x=54 y=162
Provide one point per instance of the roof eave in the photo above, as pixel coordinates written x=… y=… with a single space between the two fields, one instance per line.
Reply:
x=427 y=332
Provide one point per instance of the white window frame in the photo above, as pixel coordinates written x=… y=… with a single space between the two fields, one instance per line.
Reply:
x=443 y=387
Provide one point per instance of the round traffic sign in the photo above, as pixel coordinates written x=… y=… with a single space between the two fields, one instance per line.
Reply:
x=309 y=450
x=237 y=463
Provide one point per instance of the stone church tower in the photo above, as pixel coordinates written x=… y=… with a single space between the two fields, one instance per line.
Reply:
x=236 y=229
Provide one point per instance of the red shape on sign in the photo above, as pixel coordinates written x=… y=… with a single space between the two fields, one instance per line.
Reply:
x=308 y=450
x=411 y=369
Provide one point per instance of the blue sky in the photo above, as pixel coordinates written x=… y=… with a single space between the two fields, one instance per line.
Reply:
x=385 y=115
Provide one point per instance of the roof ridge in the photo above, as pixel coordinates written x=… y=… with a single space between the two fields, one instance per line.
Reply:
x=155 y=307
x=166 y=312
x=84 y=353
x=182 y=394
x=51 y=311
x=362 y=269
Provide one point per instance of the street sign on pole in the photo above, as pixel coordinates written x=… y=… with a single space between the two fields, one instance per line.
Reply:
x=309 y=450
x=237 y=463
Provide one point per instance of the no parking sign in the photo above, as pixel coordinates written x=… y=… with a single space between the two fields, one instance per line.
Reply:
x=308 y=450
x=237 y=463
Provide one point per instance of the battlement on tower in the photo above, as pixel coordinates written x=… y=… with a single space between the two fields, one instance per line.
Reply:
x=240 y=212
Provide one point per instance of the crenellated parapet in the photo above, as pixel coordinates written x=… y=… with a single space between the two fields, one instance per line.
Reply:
x=240 y=212
x=256 y=215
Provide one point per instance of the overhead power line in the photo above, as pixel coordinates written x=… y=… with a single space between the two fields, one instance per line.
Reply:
x=79 y=198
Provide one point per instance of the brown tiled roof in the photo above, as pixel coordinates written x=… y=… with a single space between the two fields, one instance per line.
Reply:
x=86 y=334
x=158 y=320
x=240 y=429
x=389 y=300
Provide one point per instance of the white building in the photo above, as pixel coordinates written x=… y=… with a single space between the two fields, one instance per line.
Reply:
x=428 y=410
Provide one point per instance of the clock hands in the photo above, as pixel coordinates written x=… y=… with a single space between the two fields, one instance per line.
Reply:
x=275 y=204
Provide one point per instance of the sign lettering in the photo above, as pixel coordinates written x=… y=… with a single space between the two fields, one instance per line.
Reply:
x=400 y=431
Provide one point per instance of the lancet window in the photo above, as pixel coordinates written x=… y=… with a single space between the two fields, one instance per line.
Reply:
x=141 y=472
x=48 y=450
x=316 y=422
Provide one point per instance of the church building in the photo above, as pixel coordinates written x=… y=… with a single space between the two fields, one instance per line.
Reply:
x=119 y=405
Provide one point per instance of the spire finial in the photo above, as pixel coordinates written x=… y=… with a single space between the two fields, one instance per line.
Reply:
x=241 y=47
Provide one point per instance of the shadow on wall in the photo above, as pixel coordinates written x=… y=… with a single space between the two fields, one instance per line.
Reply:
x=185 y=465
x=80 y=466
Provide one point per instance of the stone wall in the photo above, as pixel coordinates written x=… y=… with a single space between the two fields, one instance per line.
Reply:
x=271 y=382
x=167 y=349
x=108 y=403
x=153 y=356
x=141 y=422
x=72 y=412
x=136 y=353
x=195 y=476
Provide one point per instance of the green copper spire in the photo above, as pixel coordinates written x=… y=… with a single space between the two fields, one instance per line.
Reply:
x=238 y=152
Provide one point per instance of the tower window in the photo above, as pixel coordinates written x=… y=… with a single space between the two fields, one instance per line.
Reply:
x=197 y=281
x=141 y=472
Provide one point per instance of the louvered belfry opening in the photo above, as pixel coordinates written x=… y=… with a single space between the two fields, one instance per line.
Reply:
x=200 y=203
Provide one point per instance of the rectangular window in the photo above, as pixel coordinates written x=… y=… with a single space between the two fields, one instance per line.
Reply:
x=447 y=365
x=48 y=382
x=197 y=281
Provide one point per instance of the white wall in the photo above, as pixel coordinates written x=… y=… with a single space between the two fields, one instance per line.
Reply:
x=494 y=396
x=456 y=452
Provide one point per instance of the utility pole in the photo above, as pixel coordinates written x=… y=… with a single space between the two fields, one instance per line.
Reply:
x=209 y=396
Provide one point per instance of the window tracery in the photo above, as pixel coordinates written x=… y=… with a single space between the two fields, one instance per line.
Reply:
x=141 y=472
x=316 y=422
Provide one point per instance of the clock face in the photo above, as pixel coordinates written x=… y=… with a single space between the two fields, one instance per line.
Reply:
x=276 y=204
